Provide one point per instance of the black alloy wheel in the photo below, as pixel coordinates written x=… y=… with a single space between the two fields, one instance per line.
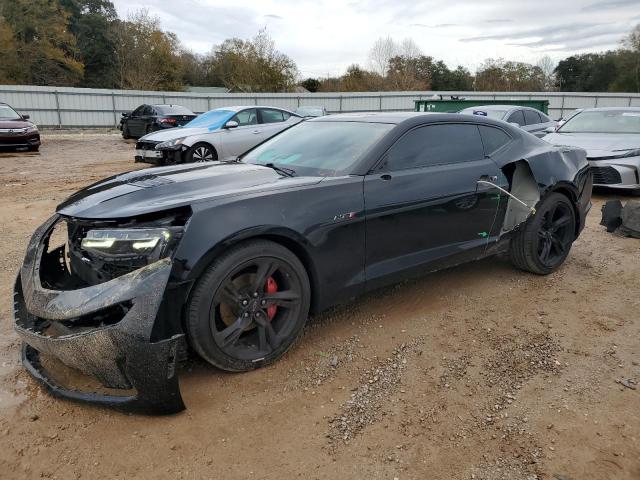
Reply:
x=201 y=152
x=543 y=243
x=555 y=234
x=249 y=306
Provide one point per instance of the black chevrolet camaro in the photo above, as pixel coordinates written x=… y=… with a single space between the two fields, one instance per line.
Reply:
x=229 y=258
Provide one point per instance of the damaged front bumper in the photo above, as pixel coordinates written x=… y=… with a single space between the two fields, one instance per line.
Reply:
x=118 y=353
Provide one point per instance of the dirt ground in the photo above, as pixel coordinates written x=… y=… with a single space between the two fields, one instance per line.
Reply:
x=479 y=372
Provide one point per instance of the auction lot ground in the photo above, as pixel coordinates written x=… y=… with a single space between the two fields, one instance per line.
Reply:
x=480 y=371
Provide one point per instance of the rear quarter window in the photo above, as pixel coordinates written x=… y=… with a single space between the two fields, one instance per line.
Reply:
x=493 y=139
x=531 y=117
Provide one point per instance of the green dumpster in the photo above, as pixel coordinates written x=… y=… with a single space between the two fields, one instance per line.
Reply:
x=453 y=106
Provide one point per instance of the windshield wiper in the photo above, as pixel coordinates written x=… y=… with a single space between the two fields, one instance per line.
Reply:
x=288 y=172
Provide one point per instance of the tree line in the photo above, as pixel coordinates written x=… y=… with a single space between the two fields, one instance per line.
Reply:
x=84 y=43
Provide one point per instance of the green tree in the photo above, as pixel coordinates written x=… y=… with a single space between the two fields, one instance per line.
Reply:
x=92 y=22
x=147 y=57
x=253 y=65
x=43 y=44
x=508 y=76
x=589 y=72
x=311 y=84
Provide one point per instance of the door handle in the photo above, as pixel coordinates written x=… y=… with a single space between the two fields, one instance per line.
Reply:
x=386 y=177
x=256 y=131
x=489 y=178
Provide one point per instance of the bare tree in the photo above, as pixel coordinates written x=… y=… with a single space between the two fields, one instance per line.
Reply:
x=385 y=49
x=381 y=53
x=548 y=66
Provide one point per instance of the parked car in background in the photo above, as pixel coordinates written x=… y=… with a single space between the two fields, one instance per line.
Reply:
x=231 y=257
x=150 y=118
x=16 y=131
x=529 y=119
x=611 y=137
x=311 y=111
x=217 y=134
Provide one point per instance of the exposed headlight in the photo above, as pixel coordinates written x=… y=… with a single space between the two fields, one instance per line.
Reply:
x=148 y=242
x=171 y=144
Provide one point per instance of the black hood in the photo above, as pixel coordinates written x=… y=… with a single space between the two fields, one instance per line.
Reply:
x=157 y=189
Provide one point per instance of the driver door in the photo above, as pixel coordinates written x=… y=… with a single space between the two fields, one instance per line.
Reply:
x=424 y=207
x=246 y=135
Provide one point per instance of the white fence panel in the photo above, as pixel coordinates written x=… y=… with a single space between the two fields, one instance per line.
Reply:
x=85 y=107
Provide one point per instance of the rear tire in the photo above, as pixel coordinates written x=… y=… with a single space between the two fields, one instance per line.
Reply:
x=543 y=243
x=249 y=306
x=201 y=152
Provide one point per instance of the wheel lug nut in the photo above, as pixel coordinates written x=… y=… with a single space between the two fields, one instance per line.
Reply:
x=255 y=294
x=246 y=314
x=263 y=302
x=244 y=302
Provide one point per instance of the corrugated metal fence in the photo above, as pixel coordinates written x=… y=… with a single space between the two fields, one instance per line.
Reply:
x=84 y=107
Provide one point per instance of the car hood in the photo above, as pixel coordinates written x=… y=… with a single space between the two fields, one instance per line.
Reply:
x=157 y=189
x=173 y=133
x=15 y=123
x=596 y=144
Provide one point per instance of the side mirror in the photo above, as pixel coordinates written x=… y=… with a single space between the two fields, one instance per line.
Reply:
x=126 y=114
x=515 y=124
x=26 y=117
x=231 y=124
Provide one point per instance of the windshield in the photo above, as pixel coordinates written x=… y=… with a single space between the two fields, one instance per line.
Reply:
x=8 y=113
x=497 y=114
x=319 y=148
x=212 y=119
x=310 y=111
x=173 y=110
x=603 y=121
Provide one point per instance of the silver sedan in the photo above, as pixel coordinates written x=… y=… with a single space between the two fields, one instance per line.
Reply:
x=215 y=135
x=611 y=137
x=527 y=118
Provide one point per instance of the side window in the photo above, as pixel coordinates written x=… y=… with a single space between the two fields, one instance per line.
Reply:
x=517 y=117
x=246 y=117
x=493 y=138
x=286 y=115
x=531 y=117
x=148 y=110
x=270 y=115
x=544 y=118
x=436 y=145
x=138 y=111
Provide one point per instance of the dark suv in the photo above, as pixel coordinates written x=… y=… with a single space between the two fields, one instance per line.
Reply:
x=16 y=131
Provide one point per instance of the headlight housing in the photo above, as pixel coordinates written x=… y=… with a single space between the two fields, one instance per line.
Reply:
x=30 y=129
x=171 y=144
x=129 y=243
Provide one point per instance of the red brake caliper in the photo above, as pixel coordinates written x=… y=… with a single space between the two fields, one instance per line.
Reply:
x=271 y=287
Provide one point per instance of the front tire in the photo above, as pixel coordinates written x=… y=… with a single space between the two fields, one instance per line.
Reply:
x=249 y=306
x=201 y=152
x=544 y=241
x=125 y=132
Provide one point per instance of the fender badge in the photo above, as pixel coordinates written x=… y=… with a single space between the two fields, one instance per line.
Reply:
x=345 y=216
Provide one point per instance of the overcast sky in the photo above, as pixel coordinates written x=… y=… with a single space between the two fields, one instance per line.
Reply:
x=325 y=36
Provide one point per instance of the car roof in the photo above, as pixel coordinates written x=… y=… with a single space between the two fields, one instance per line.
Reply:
x=610 y=109
x=500 y=107
x=371 y=117
x=237 y=108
